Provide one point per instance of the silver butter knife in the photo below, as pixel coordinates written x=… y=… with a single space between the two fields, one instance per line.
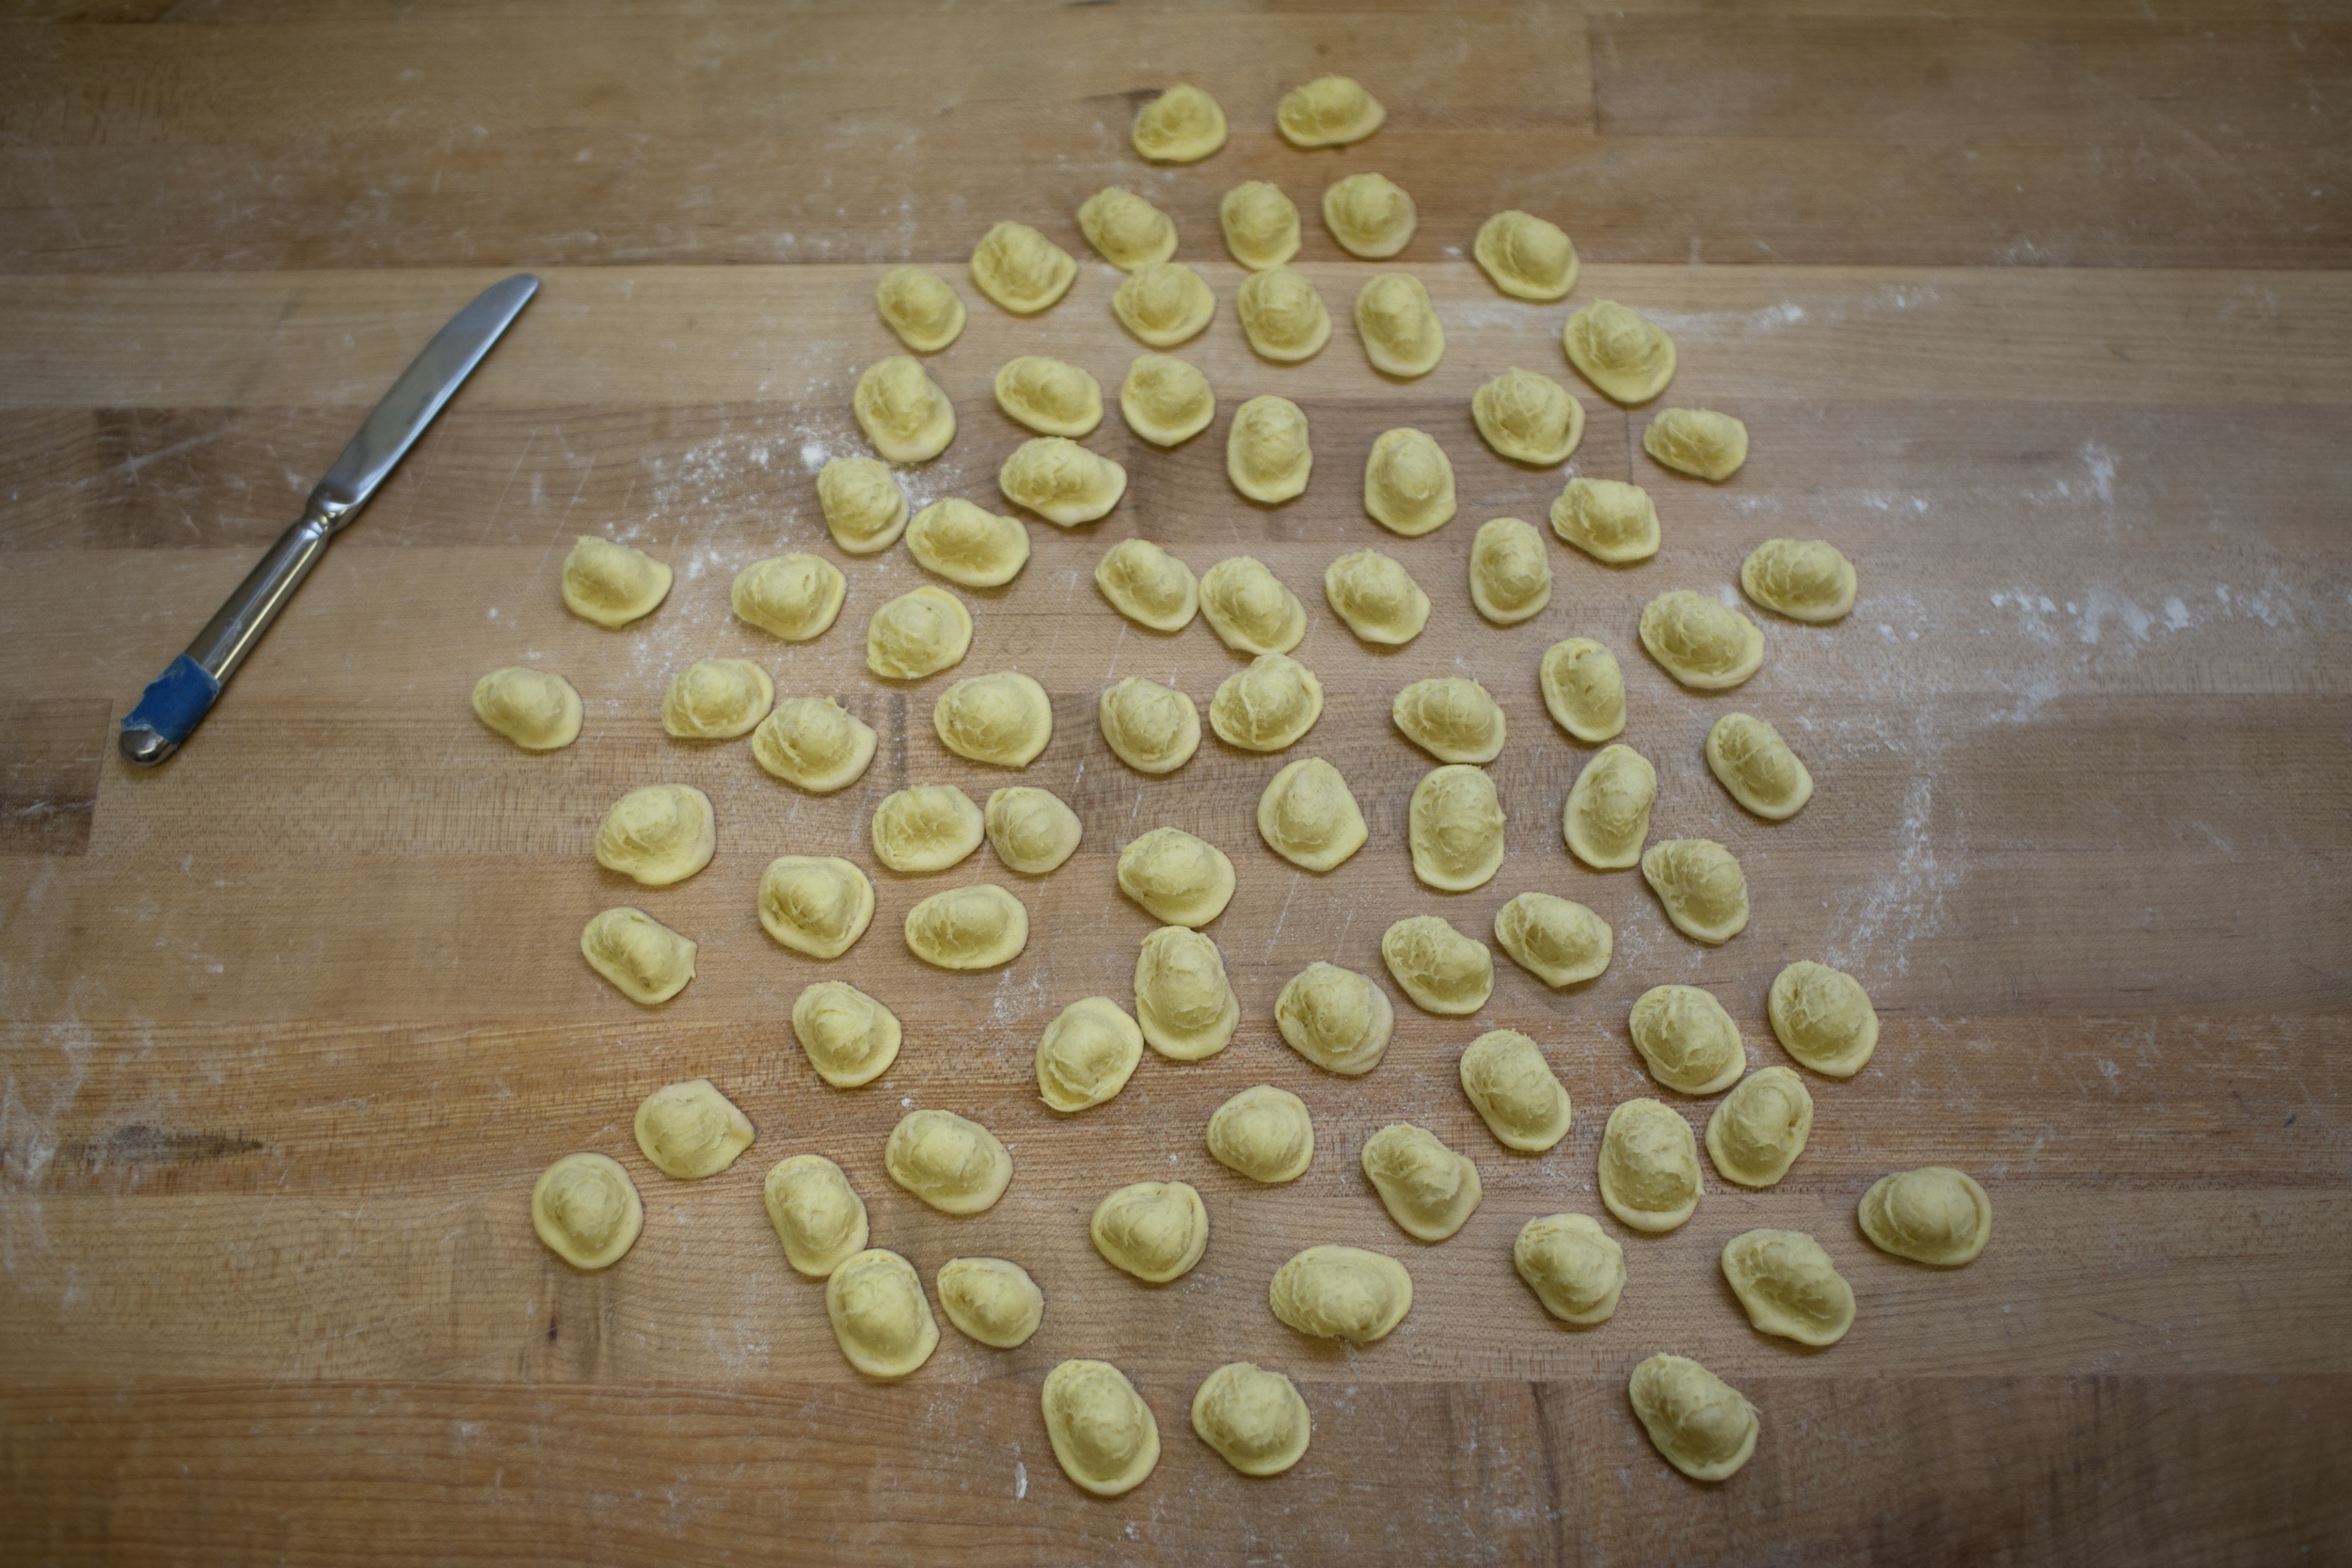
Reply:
x=176 y=700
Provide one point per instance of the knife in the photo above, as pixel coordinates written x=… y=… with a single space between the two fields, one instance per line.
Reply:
x=176 y=700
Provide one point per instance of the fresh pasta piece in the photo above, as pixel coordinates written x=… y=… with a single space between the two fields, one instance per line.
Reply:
x=1510 y=576
x=690 y=1131
x=1004 y=717
x=1558 y=940
x=1032 y=831
x=819 y=1218
x=1086 y=1054
x=1329 y=111
x=1528 y=418
x=1650 y=1166
x=1408 y=484
x=920 y=307
x=1453 y=718
x=1104 y=1435
x=925 y=828
x=1267 y=455
x=1151 y=728
x=917 y=634
x=1614 y=522
x=1020 y=269
x=1526 y=257
x=1336 y=1019
x=902 y=411
x=1697 y=441
x=1441 y=970
x=1575 y=1269
x=1513 y=1089
x=1309 y=816
x=1166 y=401
x=586 y=1210
x=1369 y=215
x=1261 y=225
x=865 y=508
x=1454 y=828
x=978 y=927
x=796 y=598
x=849 y=1038
x=1181 y=125
x=1754 y=764
x=1697 y=1422
x=880 y=1319
x=1688 y=1040
x=1156 y=1231
x=1061 y=480
x=657 y=835
x=1761 y=1128
x=1806 y=581
x=1701 y=886
x=1164 y=303
x=990 y=1299
x=967 y=544
x=1124 y=230
x=1583 y=689
x=950 y=1162
x=1267 y=705
x=1789 y=1286
x=1263 y=1133
x=1342 y=1293
x=1282 y=315
x=1178 y=878
x=1625 y=355
x=645 y=960
x=1147 y=585
x=612 y=584
x=1398 y=325
x=815 y=744
x=1052 y=397
x=536 y=710
x=1702 y=642
x=1823 y=1018
x=1607 y=814
x=1254 y=1418
x=816 y=905
x=1934 y=1214
x=1250 y=610
x=1428 y=1189
x=1183 y=1002
x=717 y=699
x=1376 y=597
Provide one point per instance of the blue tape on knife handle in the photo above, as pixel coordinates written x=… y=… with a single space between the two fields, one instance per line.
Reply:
x=176 y=700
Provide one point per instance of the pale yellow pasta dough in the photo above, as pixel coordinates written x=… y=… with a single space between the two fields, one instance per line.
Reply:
x=1104 y=1435
x=1032 y=831
x=1164 y=303
x=1052 y=397
x=813 y=743
x=1804 y=579
x=990 y=1299
x=1650 y=1166
x=1408 y=484
x=1147 y=585
x=1329 y=111
x=902 y=411
x=1156 y=1231
x=1267 y=705
x=1178 y=878
x=1282 y=315
x=1428 y=1189
x=1250 y=610
x=1613 y=522
x=950 y=1162
x=1441 y=970
x=1266 y=453
x=1061 y=480
x=1166 y=401
x=1622 y=352
x=1527 y=257
x=1181 y=125
x=1510 y=573
x=1702 y=642
x=1183 y=1002
x=1376 y=597
x=1020 y=269
x=880 y=1319
x=1823 y=1018
x=612 y=584
x=1934 y=1214
x=1124 y=230
x=792 y=597
x=1398 y=325
x=717 y=699
x=978 y=927
x=1688 y=1040
x=1556 y=940
x=865 y=508
x=819 y=1218
x=645 y=960
x=1528 y=418
x=1308 y=816
x=1701 y=887
x=586 y=1210
x=1453 y=718
x=1086 y=1054
x=920 y=307
x=1607 y=814
x=1369 y=215
x=917 y=634
x=925 y=828
x=690 y=1131
x=1513 y=1089
x=1697 y=441
x=657 y=835
x=1759 y=1127
x=1151 y=728
x=1004 y=717
x=1261 y=225
x=1336 y=1019
x=1750 y=760
x=967 y=544
x=1575 y=1269
x=1254 y=1418
x=1583 y=689
x=816 y=905
x=1342 y=1293
x=849 y=1038
x=1263 y=1133
x=1789 y=1286
x=1700 y=1424
x=1453 y=827
x=537 y=711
